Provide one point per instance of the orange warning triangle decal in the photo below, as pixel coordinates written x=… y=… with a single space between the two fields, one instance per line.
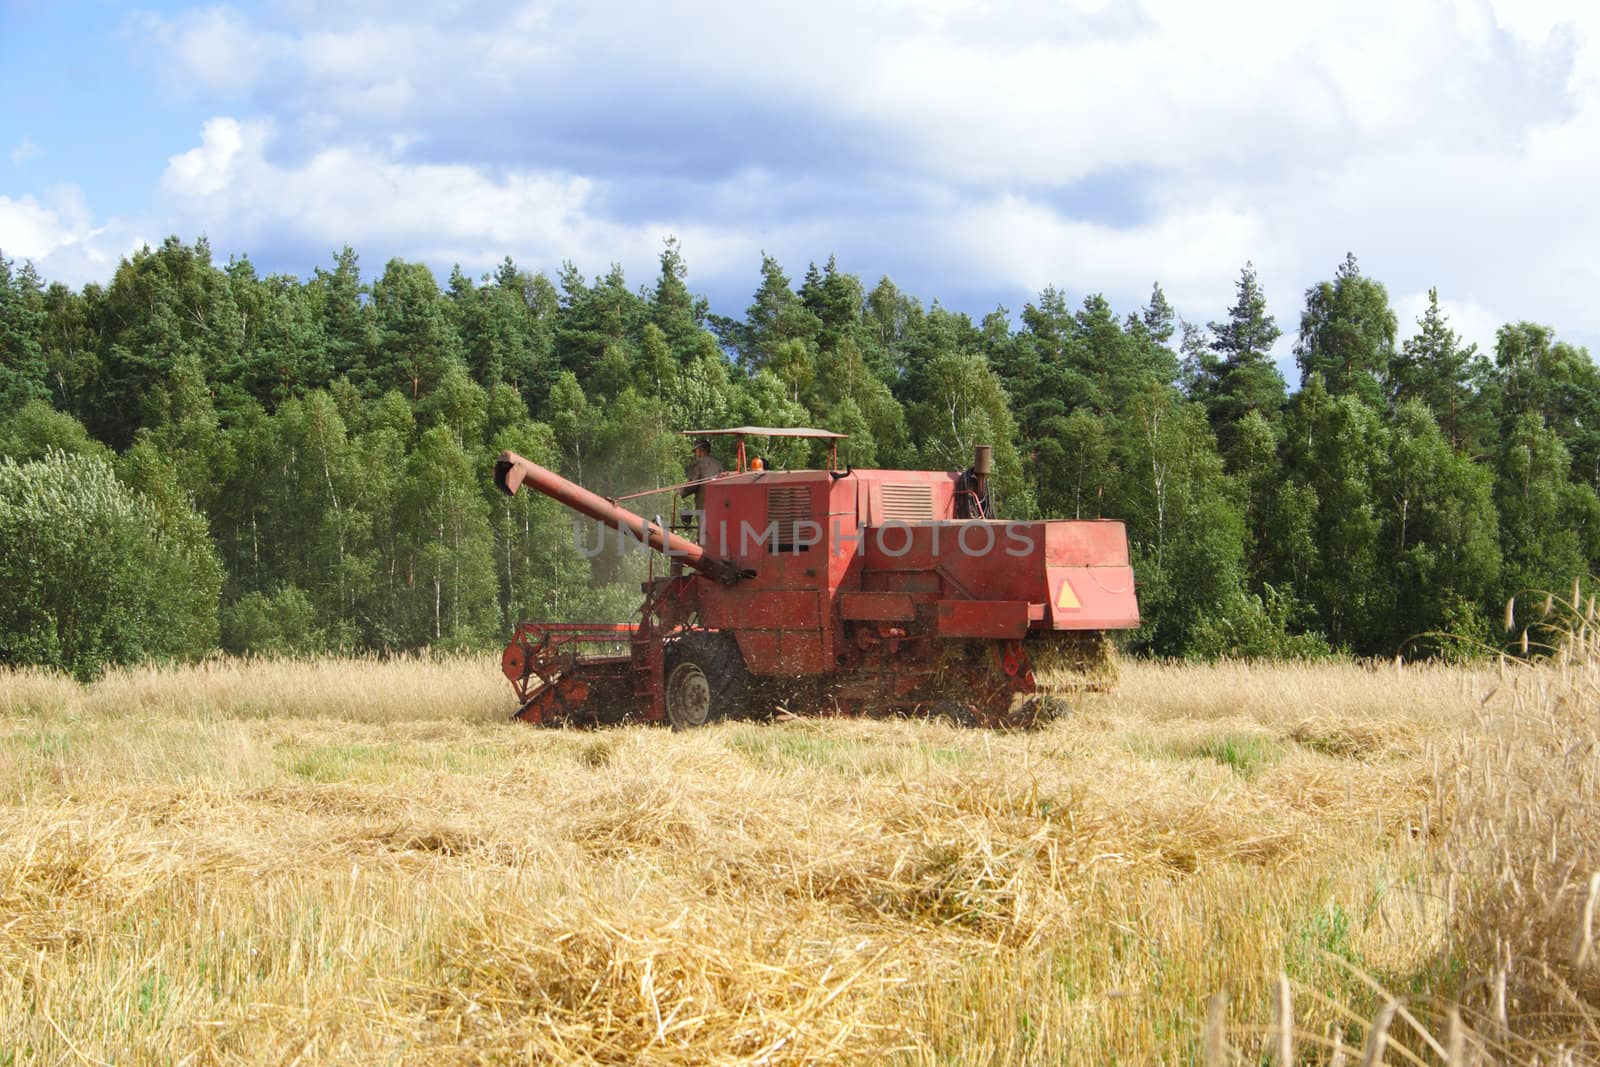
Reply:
x=1067 y=599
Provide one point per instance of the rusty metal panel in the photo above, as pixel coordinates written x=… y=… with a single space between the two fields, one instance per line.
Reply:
x=760 y=650
x=924 y=583
x=878 y=607
x=1095 y=543
x=784 y=653
x=761 y=609
x=983 y=618
x=801 y=652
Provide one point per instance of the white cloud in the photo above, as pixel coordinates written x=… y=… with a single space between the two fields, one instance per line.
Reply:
x=1021 y=242
x=59 y=236
x=29 y=230
x=984 y=92
x=230 y=188
x=25 y=152
x=212 y=167
x=216 y=49
x=1471 y=322
x=1446 y=143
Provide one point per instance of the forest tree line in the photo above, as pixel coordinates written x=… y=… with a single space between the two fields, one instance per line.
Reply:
x=200 y=455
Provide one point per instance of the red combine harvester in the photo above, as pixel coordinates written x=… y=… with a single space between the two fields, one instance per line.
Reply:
x=832 y=591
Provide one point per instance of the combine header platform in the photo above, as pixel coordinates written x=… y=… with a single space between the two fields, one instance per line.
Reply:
x=833 y=591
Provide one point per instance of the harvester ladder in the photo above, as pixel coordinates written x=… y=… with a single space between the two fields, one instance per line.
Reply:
x=649 y=665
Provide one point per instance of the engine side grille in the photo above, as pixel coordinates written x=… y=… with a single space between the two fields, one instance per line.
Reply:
x=787 y=506
x=911 y=502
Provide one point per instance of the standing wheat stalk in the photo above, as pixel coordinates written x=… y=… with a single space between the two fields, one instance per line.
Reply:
x=1455 y=1041
x=1583 y=942
x=1378 y=1036
x=1283 y=1015
x=1216 y=1030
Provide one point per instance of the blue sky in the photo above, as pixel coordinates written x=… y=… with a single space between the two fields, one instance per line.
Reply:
x=973 y=150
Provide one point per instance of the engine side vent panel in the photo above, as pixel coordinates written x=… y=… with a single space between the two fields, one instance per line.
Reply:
x=907 y=502
x=787 y=507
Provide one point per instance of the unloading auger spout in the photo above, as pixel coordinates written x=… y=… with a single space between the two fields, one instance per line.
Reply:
x=512 y=471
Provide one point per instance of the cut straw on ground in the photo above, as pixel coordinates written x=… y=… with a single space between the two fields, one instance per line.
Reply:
x=264 y=862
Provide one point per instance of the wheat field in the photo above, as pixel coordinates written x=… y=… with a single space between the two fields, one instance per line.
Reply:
x=358 y=861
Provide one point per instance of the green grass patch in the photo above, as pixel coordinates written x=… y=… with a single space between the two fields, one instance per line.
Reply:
x=339 y=763
x=389 y=760
x=1319 y=952
x=946 y=757
x=457 y=757
x=151 y=996
x=47 y=740
x=1247 y=754
x=1322 y=934
x=783 y=748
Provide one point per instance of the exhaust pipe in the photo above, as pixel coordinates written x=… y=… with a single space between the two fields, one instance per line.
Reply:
x=982 y=464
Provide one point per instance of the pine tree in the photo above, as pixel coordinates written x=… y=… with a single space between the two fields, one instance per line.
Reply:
x=287 y=355
x=1435 y=368
x=346 y=321
x=22 y=365
x=837 y=300
x=162 y=306
x=416 y=339
x=776 y=314
x=673 y=310
x=598 y=327
x=1243 y=377
x=1347 y=334
x=1548 y=525
x=518 y=335
x=1159 y=320
x=1151 y=332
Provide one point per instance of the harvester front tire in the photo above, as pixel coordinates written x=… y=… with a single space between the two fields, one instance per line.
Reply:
x=954 y=712
x=705 y=679
x=1038 y=711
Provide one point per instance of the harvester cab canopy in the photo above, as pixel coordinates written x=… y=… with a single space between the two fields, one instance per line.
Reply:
x=739 y=433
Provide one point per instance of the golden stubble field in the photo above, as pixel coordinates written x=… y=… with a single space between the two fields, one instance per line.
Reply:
x=353 y=861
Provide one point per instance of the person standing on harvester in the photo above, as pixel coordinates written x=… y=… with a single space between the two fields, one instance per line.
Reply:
x=704 y=468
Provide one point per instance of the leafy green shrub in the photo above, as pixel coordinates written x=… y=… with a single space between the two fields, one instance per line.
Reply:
x=1255 y=627
x=282 y=623
x=37 y=428
x=96 y=573
x=1464 y=634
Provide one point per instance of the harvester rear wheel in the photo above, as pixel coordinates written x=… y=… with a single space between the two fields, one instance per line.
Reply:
x=706 y=680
